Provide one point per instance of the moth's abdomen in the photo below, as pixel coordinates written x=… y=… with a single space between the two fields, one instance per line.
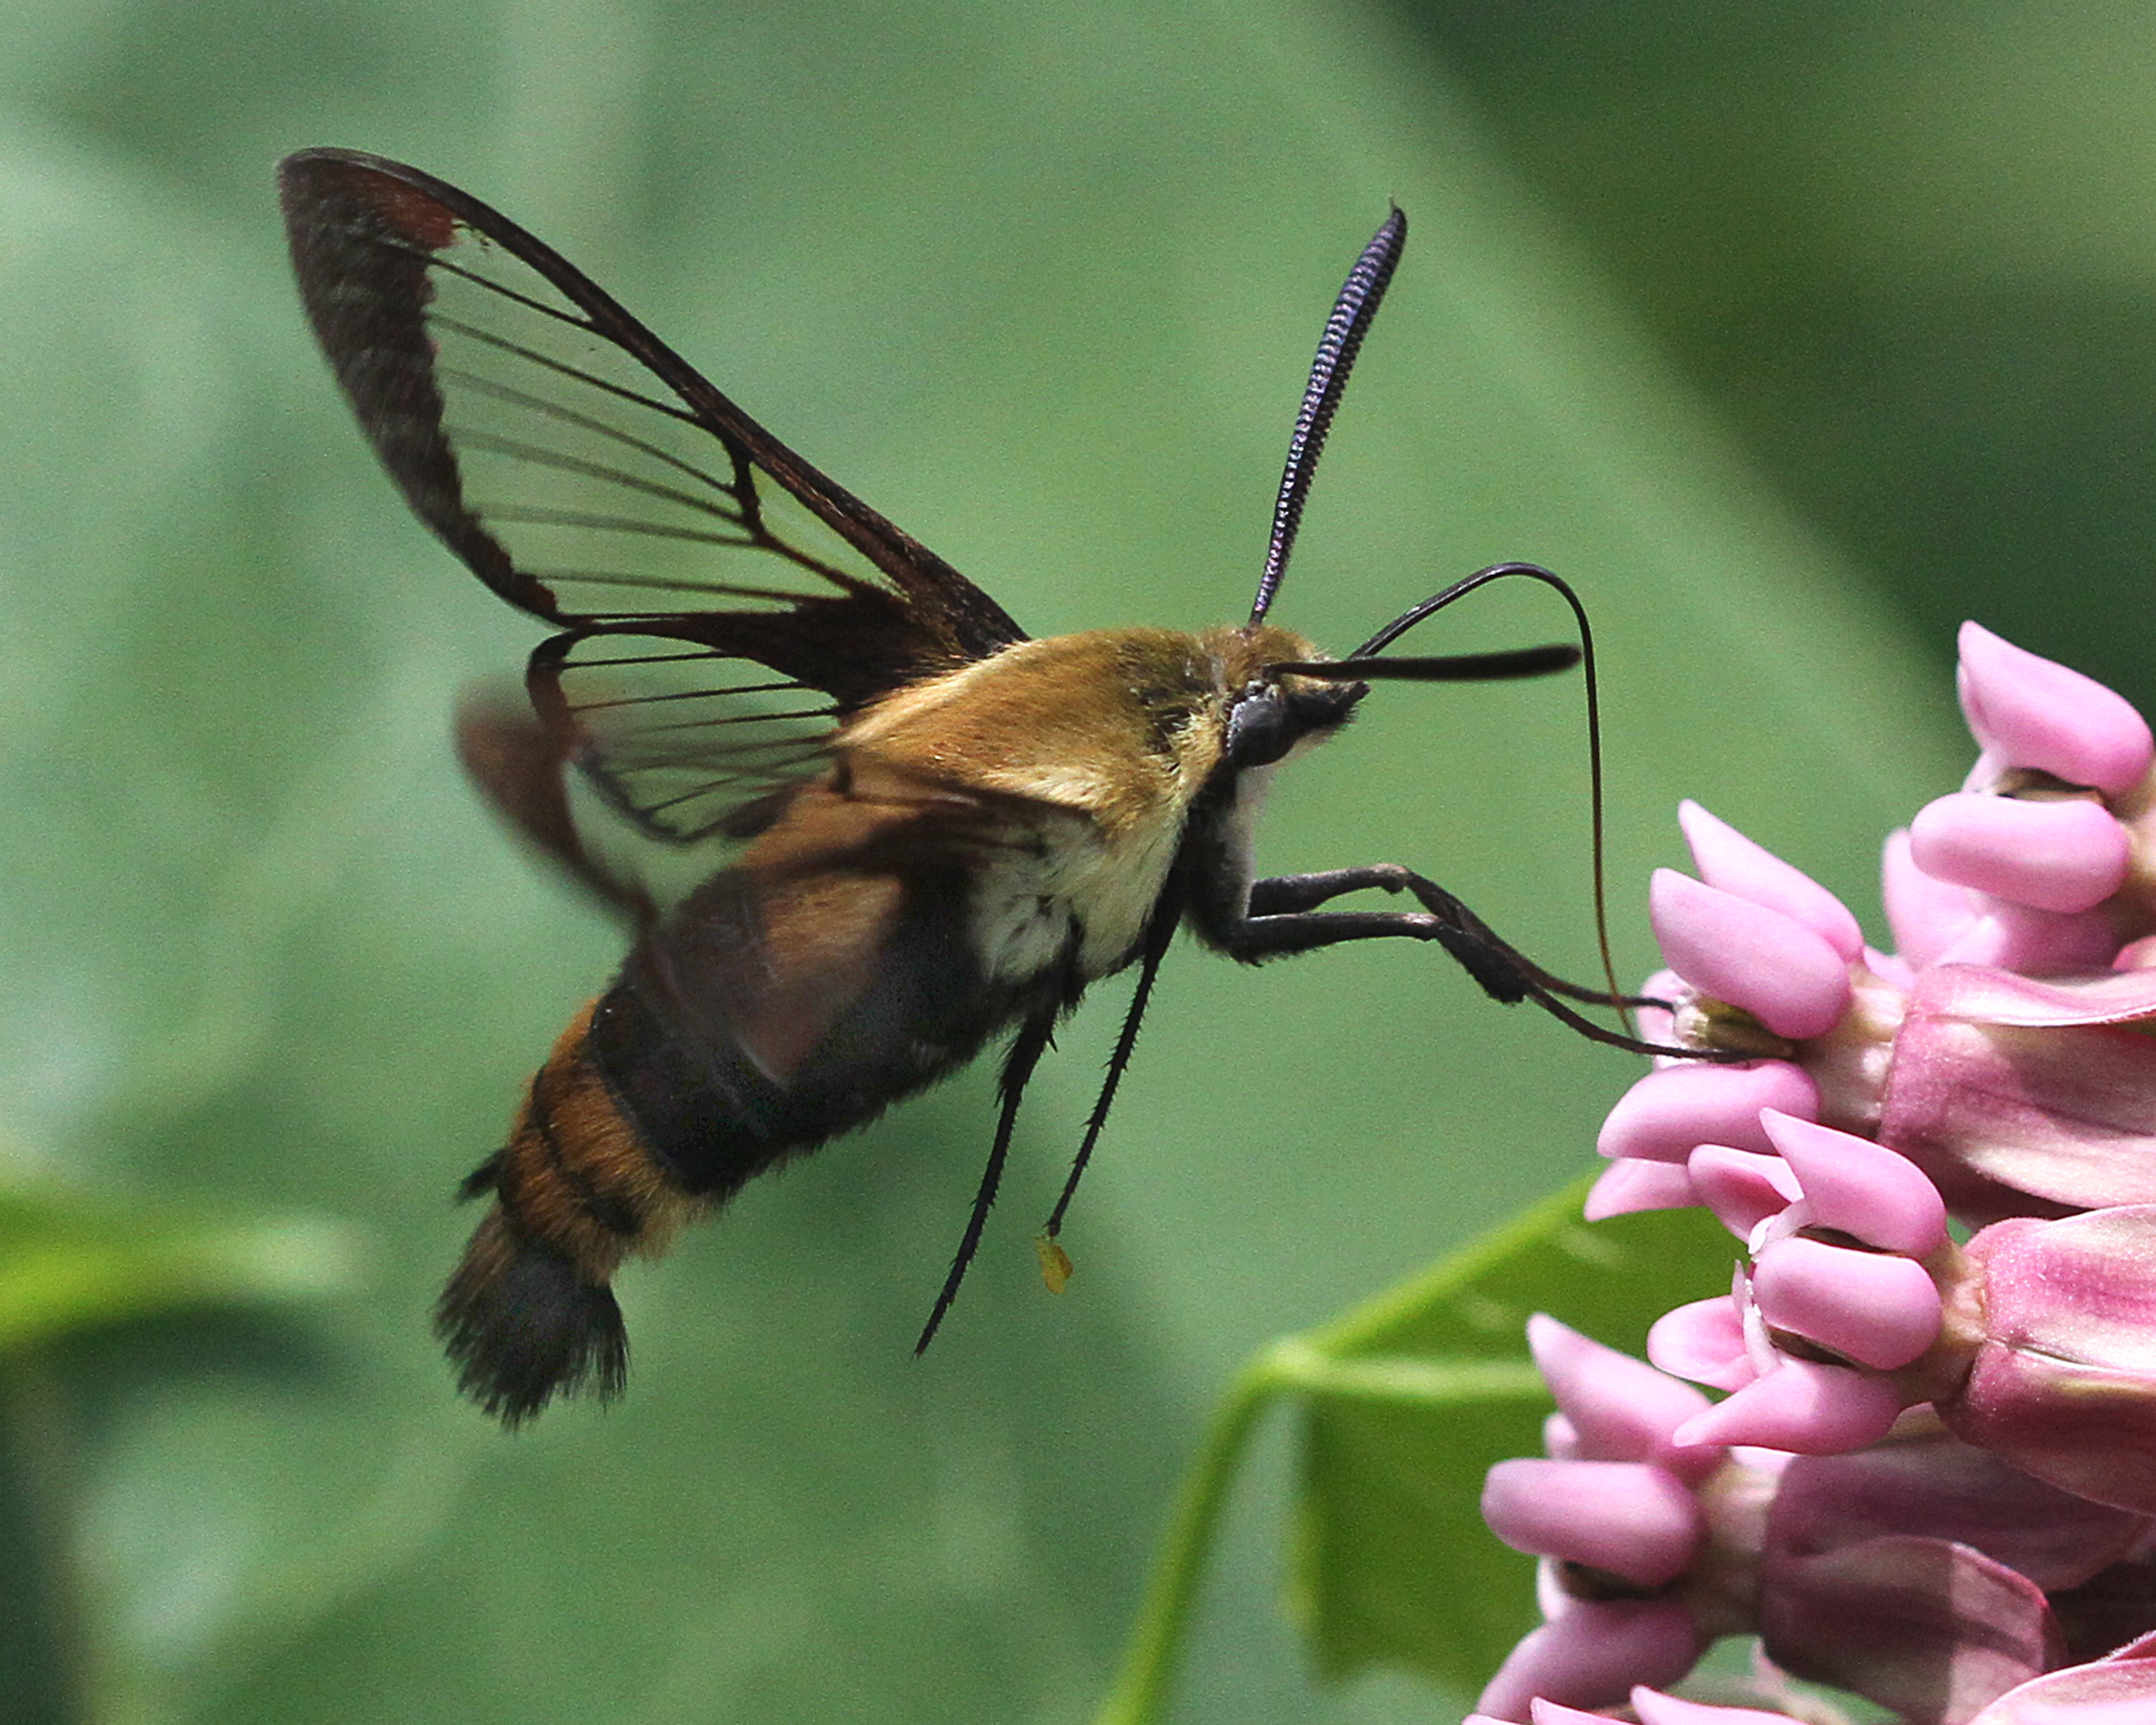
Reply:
x=766 y=1016
x=529 y=1312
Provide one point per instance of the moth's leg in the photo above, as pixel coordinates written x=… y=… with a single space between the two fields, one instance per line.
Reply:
x=1289 y=895
x=1279 y=919
x=1159 y=934
x=1033 y=1036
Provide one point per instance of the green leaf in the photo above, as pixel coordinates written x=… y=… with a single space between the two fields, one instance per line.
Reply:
x=1406 y=1402
x=73 y=1260
x=1411 y=1398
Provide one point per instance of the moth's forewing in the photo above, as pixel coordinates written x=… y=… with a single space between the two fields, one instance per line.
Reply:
x=727 y=606
x=580 y=466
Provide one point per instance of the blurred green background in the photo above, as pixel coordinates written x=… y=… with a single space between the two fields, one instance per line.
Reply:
x=1792 y=333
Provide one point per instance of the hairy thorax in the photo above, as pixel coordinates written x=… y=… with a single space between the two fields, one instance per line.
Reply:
x=1087 y=752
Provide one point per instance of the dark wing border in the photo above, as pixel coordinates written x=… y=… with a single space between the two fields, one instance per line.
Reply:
x=413 y=212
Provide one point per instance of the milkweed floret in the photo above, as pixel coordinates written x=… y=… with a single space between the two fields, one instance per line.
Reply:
x=1931 y=1480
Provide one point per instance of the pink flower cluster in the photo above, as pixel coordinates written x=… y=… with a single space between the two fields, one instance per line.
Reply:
x=1931 y=1478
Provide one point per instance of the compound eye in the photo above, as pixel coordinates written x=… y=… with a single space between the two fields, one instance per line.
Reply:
x=1261 y=729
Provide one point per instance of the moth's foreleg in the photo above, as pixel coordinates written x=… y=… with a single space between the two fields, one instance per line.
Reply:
x=1283 y=894
x=1281 y=917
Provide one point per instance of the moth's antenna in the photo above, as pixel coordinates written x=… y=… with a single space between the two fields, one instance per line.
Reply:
x=1344 y=330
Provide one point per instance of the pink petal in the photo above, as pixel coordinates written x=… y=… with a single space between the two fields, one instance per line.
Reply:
x=1672 y=1111
x=1657 y=1023
x=1655 y=1708
x=1891 y=968
x=1703 y=1342
x=2013 y=937
x=2088 y=1429
x=1930 y=1629
x=1769 y=964
x=1801 y=1406
x=2064 y=1384
x=1861 y=1188
x=1593 y=1655
x=2062 y=856
x=2081 y=1288
x=2036 y=713
x=1627 y=1518
x=1548 y=1712
x=1927 y=915
x=1630 y=1185
x=2118 y=1689
x=1728 y=860
x=2027 y=1705
x=2001 y=996
x=1944 y=1489
x=1742 y=1188
x=1871 y=1307
x=2067 y=1115
x=1619 y=1409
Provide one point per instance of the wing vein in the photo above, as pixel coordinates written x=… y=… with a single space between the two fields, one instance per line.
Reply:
x=503 y=344
x=540 y=456
x=540 y=404
x=535 y=515
x=601 y=706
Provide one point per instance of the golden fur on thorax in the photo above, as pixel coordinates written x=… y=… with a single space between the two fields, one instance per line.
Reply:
x=1085 y=753
x=1123 y=725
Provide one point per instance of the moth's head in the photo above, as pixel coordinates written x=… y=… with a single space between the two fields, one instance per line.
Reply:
x=1271 y=707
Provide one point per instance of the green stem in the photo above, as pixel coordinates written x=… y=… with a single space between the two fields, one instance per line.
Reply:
x=1149 y=1662
x=1290 y=1364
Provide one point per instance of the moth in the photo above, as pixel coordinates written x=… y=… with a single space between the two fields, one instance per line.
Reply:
x=860 y=824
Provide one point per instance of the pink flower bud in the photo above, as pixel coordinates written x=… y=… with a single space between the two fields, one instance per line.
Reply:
x=2032 y=712
x=1703 y=1342
x=1658 y=1709
x=2010 y=936
x=1772 y=966
x=1927 y=914
x=1872 y=1308
x=1860 y=1188
x=1630 y=1185
x=2062 y=856
x=1742 y=1189
x=1732 y=862
x=1671 y=1111
x=1593 y=1654
x=1803 y=1406
x=1625 y=1518
x=1619 y=1409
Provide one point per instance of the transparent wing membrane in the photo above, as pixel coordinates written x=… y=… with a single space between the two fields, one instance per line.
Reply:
x=621 y=505
x=676 y=742
x=725 y=606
